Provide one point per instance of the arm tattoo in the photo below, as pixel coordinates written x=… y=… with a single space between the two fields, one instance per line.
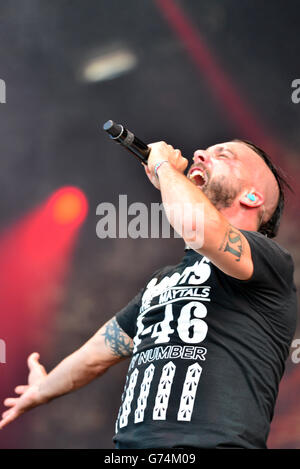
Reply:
x=116 y=339
x=232 y=243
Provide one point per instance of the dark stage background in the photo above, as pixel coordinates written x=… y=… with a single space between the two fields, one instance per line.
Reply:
x=202 y=72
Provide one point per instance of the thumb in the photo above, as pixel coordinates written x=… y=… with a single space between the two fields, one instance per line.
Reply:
x=185 y=163
x=36 y=370
x=33 y=360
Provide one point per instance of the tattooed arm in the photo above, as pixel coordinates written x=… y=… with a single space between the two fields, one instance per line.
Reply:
x=107 y=347
x=231 y=253
x=116 y=340
x=195 y=218
x=228 y=249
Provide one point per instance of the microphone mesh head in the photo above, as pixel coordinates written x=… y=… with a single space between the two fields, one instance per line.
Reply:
x=112 y=129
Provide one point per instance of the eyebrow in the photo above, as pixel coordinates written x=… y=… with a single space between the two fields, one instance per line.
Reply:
x=221 y=149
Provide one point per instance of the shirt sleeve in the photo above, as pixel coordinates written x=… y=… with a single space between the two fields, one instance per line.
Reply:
x=127 y=316
x=273 y=265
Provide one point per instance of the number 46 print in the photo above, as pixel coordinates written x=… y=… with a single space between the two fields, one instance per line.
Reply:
x=191 y=331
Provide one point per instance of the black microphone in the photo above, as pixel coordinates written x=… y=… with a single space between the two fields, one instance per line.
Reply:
x=126 y=138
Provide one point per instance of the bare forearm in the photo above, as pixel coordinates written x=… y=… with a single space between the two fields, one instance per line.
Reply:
x=72 y=373
x=108 y=346
x=187 y=207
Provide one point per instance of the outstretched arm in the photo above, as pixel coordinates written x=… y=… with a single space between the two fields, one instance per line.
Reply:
x=107 y=347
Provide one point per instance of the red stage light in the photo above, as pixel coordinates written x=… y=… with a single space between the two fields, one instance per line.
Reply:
x=35 y=259
x=68 y=205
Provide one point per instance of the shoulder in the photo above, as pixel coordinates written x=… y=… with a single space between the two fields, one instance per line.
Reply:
x=259 y=241
x=271 y=261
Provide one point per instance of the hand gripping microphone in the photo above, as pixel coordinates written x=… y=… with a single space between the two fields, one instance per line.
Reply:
x=120 y=134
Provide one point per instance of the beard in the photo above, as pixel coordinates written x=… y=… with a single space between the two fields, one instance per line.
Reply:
x=221 y=192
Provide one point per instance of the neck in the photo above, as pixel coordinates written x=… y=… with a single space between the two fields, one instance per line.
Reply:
x=241 y=217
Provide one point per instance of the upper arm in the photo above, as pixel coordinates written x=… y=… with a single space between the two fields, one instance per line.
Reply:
x=116 y=341
x=229 y=250
x=109 y=345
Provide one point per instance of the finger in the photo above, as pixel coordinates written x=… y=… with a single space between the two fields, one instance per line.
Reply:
x=173 y=157
x=21 y=389
x=147 y=171
x=185 y=163
x=6 y=413
x=10 y=416
x=10 y=401
x=156 y=144
x=176 y=155
x=178 y=161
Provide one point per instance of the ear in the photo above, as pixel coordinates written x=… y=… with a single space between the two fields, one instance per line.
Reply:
x=258 y=199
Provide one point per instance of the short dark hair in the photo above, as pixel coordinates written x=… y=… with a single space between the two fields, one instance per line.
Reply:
x=270 y=228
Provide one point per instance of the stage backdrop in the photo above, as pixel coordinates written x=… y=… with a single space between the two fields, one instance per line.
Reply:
x=188 y=72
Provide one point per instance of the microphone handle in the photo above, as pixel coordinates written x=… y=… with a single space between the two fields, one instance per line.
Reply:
x=127 y=139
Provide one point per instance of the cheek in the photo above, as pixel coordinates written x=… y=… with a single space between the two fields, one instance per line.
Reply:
x=223 y=170
x=227 y=174
x=232 y=169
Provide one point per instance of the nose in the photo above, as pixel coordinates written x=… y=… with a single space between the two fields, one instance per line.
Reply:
x=200 y=156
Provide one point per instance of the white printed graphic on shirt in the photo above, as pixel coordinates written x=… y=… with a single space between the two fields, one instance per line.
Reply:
x=169 y=289
x=126 y=408
x=144 y=393
x=169 y=292
x=189 y=392
x=163 y=392
x=191 y=329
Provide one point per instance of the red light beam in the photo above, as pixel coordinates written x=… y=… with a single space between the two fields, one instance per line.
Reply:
x=35 y=256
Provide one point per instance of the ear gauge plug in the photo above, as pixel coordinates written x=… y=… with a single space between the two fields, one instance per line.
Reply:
x=251 y=197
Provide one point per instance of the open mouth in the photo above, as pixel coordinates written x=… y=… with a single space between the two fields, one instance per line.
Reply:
x=198 y=177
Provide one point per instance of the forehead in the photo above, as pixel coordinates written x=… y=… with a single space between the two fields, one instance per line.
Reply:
x=239 y=150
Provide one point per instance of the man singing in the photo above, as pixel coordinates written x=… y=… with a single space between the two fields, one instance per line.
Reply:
x=208 y=338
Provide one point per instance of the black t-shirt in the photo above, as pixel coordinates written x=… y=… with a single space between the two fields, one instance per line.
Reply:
x=209 y=352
